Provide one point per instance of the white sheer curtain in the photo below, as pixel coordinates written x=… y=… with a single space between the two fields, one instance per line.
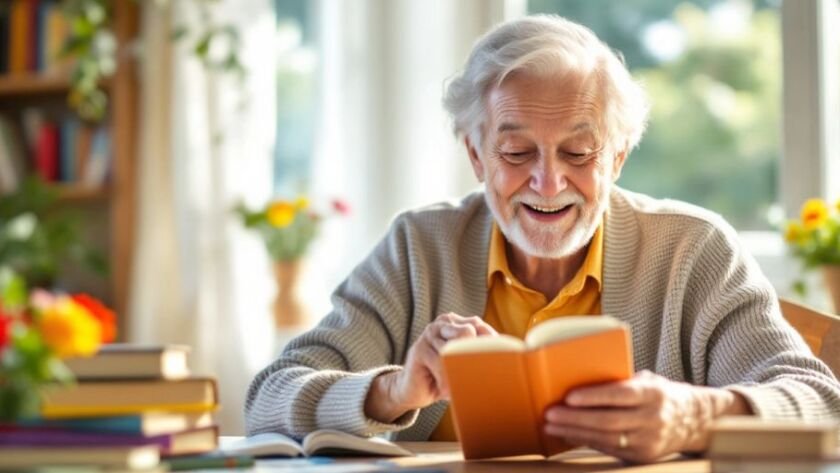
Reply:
x=199 y=278
x=384 y=142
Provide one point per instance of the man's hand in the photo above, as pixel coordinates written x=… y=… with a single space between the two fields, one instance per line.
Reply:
x=421 y=381
x=642 y=419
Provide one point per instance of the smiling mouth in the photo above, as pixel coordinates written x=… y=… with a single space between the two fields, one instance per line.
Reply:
x=547 y=210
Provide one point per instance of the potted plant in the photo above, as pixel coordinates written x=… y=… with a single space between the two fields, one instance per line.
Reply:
x=37 y=330
x=287 y=228
x=815 y=239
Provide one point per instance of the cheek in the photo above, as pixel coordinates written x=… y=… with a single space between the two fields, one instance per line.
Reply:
x=506 y=180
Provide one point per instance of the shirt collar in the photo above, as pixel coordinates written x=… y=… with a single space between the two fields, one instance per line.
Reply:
x=592 y=266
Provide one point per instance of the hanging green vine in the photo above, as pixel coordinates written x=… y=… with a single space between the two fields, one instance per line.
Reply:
x=93 y=47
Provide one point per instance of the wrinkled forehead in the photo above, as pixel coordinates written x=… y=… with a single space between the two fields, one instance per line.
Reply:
x=570 y=101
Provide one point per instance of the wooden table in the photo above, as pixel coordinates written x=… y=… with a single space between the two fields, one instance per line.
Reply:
x=447 y=456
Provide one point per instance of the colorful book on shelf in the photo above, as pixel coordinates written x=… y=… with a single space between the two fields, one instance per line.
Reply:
x=323 y=442
x=500 y=386
x=12 y=159
x=147 y=423
x=47 y=152
x=111 y=398
x=19 y=36
x=5 y=23
x=70 y=129
x=99 y=160
x=56 y=31
x=34 y=35
x=188 y=442
x=117 y=457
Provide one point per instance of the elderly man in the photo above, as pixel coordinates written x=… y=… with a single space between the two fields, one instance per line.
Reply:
x=548 y=115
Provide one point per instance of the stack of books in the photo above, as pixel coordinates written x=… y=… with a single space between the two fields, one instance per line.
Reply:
x=749 y=444
x=131 y=406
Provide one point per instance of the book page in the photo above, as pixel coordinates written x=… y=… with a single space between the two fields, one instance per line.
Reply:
x=335 y=443
x=564 y=328
x=483 y=344
x=263 y=445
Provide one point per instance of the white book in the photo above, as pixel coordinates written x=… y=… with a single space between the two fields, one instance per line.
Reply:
x=320 y=442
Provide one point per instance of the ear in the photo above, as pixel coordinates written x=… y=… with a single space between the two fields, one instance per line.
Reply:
x=478 y=167
x=618 y=163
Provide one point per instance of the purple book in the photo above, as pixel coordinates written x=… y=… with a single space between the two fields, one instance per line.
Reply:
x=179 y=443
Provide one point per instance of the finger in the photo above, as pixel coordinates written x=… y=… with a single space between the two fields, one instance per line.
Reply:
x=482 y=327
x=594 y=438
x=612 y=420
x=458 y=330
x=428 y=360
x=433 y=337
x=629 y=393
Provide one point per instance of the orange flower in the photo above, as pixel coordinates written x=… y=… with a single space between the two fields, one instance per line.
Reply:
x=814 y=213
x=69 y=329
x=106 y=317
x=281 y=214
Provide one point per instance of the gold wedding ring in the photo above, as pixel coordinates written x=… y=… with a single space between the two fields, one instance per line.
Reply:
x=622 y=440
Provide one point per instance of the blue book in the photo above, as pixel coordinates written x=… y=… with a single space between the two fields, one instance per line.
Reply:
x=67 y=152
x=151 y=423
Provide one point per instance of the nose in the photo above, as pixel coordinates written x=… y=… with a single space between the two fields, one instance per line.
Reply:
x=548 y=177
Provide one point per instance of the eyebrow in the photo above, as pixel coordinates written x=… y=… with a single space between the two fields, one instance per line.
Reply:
x=508 y=126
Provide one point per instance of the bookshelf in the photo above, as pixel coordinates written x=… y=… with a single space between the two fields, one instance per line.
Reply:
x=106 y=207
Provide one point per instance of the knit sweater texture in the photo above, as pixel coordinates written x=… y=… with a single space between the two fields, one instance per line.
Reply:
x=699 y=309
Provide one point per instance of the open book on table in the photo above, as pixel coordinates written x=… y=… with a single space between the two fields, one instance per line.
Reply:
x=318 y=443
x=501 y=386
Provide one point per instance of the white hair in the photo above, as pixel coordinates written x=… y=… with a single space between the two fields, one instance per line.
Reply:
x=546 y=45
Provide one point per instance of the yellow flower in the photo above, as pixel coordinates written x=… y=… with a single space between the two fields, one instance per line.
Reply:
x=302 y=203
x=837 y=205
x=69 y=329
x=793 y=231
x=281 y=214
x=814 y=213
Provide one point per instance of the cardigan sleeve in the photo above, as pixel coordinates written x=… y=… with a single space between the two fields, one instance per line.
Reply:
x=744 y=344
x=321 y=379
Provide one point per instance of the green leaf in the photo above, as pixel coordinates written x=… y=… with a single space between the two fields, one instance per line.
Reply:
x=12 y=289
x=799 y=287
x=179 y=33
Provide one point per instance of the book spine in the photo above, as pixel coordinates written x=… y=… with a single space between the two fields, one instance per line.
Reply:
x=46 y=152
x=5 y=22
x=58 y=412
x=18 y=36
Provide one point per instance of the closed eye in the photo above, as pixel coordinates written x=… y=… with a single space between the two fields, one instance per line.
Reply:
x=517 y=157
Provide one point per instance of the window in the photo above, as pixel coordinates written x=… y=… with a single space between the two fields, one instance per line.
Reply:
x=712 y=69
x=297 y=94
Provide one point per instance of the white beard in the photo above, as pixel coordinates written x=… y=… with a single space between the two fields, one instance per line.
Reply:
x=548 y=240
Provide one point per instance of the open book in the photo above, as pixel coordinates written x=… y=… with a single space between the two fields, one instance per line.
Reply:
x=320 y=442
x=501 y=386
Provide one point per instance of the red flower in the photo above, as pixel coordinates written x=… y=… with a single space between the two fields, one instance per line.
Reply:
x=5 y=329
x=341 y=206
x=104 y=315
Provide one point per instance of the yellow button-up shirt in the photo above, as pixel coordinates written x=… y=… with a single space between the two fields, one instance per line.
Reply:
x=513 y=308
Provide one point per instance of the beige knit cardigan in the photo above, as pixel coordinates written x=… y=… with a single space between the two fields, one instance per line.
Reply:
x=698 y=306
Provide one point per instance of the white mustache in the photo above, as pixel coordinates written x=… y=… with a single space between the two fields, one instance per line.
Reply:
x=559 y=201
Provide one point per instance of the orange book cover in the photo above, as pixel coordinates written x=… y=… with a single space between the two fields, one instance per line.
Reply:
x=500 y=386
x=19 y=36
